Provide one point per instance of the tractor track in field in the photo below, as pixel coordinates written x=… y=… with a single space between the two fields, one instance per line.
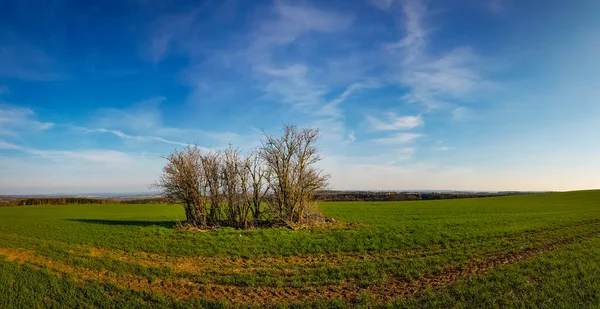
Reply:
x=216 y=265
x=349 y=290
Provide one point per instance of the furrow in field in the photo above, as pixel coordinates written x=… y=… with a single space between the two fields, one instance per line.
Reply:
x=392 y=288
x=395 y=287
x=223 y=265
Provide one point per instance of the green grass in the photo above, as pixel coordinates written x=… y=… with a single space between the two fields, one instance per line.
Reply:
x=567 y=278
x=451 y=233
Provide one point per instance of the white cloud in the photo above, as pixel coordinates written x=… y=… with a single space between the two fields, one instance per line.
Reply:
x=461 y=113
x=399 y=138
x=332 y=108
x=433 y=81
x=15 y=120
x=450 y=76
x=8 y=146
x=393 y=122
x=94 y=155
x=144 y=116
x=351 y=137
x=444 y=148
x=382 y=4
x=293 y=81
x=290 y=22
x=414 y=42
x=143 y=122
x=299 y=83
x=135 y=137
x=290 y=85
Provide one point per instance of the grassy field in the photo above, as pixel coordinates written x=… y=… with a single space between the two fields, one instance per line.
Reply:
x=518 y=251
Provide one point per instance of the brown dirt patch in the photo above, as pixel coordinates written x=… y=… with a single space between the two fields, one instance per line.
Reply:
x=392 y=288
x=285 y=265
x=200 y=265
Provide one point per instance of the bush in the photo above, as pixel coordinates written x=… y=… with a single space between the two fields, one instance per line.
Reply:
x=274 y=184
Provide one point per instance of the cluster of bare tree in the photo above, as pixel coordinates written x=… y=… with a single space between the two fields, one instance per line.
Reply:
x=273 y=184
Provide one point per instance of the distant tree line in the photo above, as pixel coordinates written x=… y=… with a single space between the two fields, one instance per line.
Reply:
x=401 y=196
x=39 y=201
x=274 y=184
x=326 y=196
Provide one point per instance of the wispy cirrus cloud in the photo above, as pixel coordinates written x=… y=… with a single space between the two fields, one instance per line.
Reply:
x=144 y=122
x=393 y=122
x=332 y=108
x=351 y=137
x=134 y=137
x=382 y=4
x=90 y=155
x=461 y=113
x=291 y=85
x=262 y=54
x=15 y=120
x=435 y=82
x=296 y=80
x=144 y=116
x=413 y=44
x=288 y=23
x=290 y=81
x=398 y=138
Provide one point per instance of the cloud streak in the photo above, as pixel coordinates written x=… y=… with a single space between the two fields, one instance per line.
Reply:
x=393 y=122
x=92 y=155
x=436 y=82
x=135 y=137
x=399 y=138
x=414 y=42
x=289 y=23
x=15 y=120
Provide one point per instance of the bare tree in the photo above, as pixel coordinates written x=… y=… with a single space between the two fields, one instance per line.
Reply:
x=234 y=180
x=255 y=185
x=275 y=183
x=294 y=179
x=212 y=168
x=181 y=182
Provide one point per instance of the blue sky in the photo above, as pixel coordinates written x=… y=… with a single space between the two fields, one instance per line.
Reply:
x=408 y=94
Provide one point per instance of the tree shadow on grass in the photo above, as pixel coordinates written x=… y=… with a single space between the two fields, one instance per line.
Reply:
x=167 y=224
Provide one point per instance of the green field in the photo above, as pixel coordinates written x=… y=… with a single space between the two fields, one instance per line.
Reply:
x=524 y=251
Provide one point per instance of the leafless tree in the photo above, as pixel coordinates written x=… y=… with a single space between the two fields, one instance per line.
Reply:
x=255 y=184
x=212 y=168
x=294 y=179
x=275 y=183
x=181 y=182
x=234 y=180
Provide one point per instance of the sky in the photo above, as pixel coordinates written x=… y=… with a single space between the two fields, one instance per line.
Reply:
x=408 y=95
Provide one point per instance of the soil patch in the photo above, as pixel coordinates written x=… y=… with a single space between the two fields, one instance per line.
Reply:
x=390 y=289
